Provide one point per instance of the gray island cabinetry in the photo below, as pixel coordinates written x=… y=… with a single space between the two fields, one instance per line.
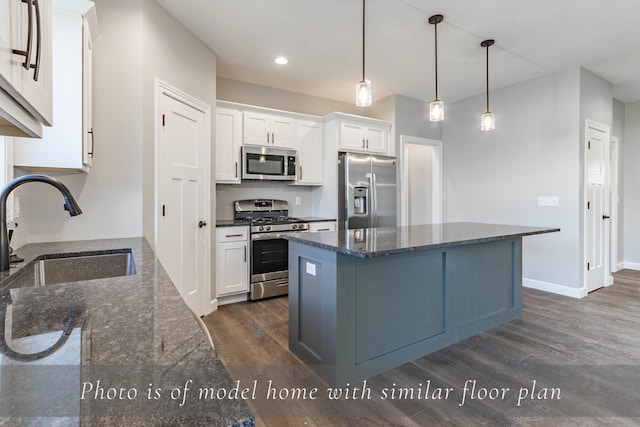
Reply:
x=364 y=301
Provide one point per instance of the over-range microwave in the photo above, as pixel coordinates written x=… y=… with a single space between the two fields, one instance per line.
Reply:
x=267 y=163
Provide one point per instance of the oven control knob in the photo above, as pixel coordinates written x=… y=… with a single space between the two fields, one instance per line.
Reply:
x=294 y=226
x=261 y=228
x=268 y=227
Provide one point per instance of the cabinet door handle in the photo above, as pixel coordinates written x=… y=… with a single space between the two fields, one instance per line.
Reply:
x=236 y=169
x=36 y=67
x=367 y=142
x=363 y=143
x=300 y=172
x=273 y=138
x=93 y=144
x=245 y=253
x=267 y=137
x=27 y=53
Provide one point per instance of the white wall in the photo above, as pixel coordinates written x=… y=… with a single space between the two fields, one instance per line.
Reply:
x=497 y=176
x=111 y=195
x=263 y=96
x=631 y=180
x=618 y=129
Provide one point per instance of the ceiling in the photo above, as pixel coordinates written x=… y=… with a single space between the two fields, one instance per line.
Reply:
x=322 y=39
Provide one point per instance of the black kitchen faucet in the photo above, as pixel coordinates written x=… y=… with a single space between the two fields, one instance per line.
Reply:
x=70 y=205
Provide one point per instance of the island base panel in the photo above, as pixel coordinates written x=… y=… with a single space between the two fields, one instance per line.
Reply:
x=351 y=318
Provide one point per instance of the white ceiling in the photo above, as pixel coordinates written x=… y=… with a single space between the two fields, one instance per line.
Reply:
x=322 y=39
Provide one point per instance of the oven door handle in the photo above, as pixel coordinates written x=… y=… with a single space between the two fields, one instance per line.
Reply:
x=274 y=235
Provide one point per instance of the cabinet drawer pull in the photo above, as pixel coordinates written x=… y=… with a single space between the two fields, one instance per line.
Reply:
x=36 y=67
x=93 y=144
x=27 y=53
x=323 y=229
x=234 y=235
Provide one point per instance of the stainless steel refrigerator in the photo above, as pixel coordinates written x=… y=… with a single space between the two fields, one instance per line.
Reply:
x=366 y=191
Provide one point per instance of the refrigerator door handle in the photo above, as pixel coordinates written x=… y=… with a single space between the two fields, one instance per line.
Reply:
x=374 y=200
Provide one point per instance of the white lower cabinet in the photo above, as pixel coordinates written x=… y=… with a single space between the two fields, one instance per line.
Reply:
x=232 y=260
x=322 y=226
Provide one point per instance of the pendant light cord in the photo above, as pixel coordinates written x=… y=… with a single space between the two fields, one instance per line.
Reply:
x=363 y=38
x=436 y=51
x=487 y=79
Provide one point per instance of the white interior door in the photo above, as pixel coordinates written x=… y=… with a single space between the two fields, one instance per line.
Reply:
x=421 y=181
x=184 y=198
x=597 y=140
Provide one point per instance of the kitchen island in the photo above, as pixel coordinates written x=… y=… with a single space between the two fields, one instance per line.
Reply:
x=367 y=300
x=115 y=351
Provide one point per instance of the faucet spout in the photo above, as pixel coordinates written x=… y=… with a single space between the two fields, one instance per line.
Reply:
x=70 y=205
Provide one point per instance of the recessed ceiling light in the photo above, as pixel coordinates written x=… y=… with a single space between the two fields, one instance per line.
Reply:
x=281 y=60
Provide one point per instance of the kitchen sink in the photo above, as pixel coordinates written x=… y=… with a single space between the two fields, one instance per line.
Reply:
x=64 y=268
x=51 y=271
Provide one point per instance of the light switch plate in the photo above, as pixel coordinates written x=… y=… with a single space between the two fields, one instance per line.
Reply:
x=548 y=201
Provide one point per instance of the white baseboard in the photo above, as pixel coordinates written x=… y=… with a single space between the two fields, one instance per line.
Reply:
x=213 y=305
x=232 y=298
x=629 y=265
x=554 y=288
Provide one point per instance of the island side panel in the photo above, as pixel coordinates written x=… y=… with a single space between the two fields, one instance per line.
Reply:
x=312 y=306
x=486 y=283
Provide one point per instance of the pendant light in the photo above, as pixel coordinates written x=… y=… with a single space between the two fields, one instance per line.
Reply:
x=488 y=121
x=436 y=108
x=363 y=88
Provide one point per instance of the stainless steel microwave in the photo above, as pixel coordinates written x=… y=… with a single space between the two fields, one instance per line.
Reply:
x=267 y=163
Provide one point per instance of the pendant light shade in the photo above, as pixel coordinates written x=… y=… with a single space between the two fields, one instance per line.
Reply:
x=436 y=108
x=363 y=93
x=363 y=88
x=488 y=121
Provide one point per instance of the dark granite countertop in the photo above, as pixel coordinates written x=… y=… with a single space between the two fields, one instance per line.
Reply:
x=230 y=223
x=316 y=219
x=59 y=343
x=370 y=242
x=236 y=222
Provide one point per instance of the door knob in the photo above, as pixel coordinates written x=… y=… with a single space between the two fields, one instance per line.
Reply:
x=605 y=217
x=202 y=224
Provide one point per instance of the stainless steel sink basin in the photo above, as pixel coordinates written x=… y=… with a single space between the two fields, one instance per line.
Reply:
x=50 y=271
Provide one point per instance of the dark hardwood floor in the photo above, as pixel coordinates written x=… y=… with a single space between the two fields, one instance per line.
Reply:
x=584 y=356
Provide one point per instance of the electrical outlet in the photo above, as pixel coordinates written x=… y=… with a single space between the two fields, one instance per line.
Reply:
x=548 y=201
x=297 y=200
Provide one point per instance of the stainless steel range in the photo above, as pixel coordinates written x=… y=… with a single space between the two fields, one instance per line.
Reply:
x=269 y=221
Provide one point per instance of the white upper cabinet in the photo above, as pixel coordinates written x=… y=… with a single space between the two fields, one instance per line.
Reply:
x=363 y=135
x=25 y=67
x=69 y=144
x=228 y=145
x=269 y=130
x=309 y=151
